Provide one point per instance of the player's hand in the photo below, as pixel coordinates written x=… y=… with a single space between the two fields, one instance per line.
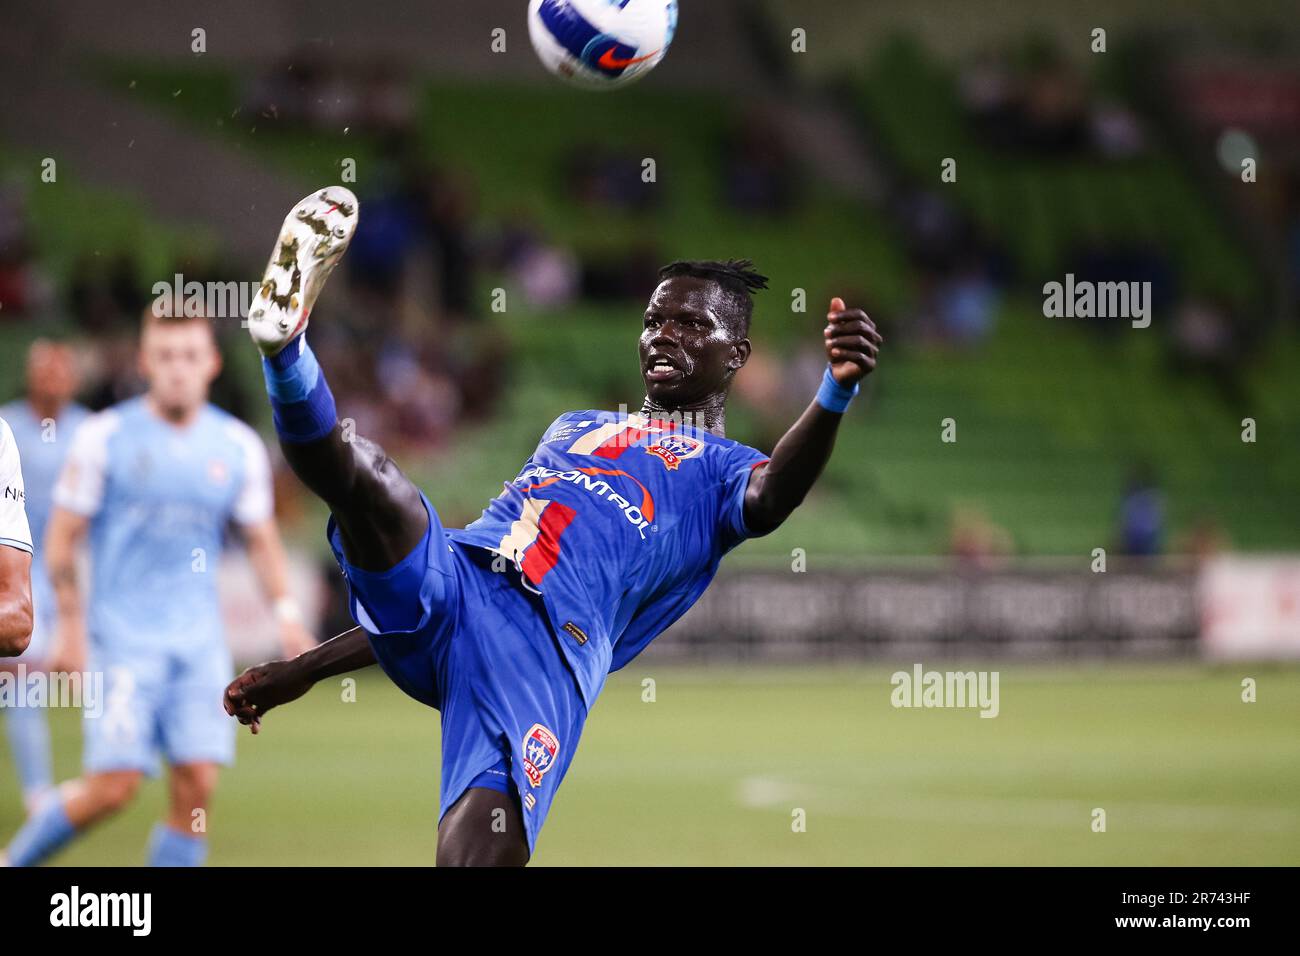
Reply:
x=250 y=695
x=852 y=343
x=68 y=653
x=295 y=639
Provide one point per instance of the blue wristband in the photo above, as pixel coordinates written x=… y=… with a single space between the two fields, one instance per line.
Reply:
x=833 y=396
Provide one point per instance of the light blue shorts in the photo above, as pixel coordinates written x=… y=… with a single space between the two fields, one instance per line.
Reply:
x=159 y=702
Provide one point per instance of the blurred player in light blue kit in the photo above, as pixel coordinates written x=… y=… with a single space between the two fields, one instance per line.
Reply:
x=42 y=423
x=154 y=481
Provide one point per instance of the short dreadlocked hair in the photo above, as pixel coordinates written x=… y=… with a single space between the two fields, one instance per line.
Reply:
x=735 y=277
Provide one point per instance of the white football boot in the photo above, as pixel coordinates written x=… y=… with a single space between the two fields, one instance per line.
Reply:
x=312 y=240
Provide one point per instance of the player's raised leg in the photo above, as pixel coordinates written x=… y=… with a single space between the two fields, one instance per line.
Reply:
x=380 y=513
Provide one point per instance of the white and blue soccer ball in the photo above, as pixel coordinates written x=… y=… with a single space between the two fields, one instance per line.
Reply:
x=601 y=44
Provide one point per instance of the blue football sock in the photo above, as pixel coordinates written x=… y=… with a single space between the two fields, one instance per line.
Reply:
x=301 y=402
x=42 y=835
x=168 y=847
x=28 y=730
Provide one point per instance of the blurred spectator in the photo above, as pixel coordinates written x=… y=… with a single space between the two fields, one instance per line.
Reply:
x=960 y=275
x=1202 y=333
x=1205 y=540
x=451 y=212
x=1054 y=106
x=307 y=89
x=394 y=202
x=989 y=93
x=758 y=173
x=1043 y=105
x=1142 y=515
x=423 y=403
x=1106 y=259
x=24 y=289
x=548 y=274
x=387 y=100
x=1291 y=228
x=935 y=232
x=622 y=274
x=975 y=541
x=1116 y=131
x=1205 y=341
x=106 y=297
x=967 y=303
x=599 y=175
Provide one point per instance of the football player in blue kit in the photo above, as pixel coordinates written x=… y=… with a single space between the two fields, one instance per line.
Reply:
x=609 y=533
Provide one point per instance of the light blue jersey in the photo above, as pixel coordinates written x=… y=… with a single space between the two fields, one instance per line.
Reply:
x=43 y=444
x=159 y=498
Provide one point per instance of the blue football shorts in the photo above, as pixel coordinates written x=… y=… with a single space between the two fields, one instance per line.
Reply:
x=472 y=642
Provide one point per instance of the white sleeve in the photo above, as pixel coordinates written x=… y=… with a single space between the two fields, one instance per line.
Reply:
x=14 y=530
x=80 y=488
x=256 y=501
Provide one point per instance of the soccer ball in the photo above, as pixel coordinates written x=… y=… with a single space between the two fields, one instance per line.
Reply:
x=601 y=44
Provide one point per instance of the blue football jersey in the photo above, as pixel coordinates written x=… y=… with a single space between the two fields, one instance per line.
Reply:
x=43 y=444
x=159 y=497
x=619 y=522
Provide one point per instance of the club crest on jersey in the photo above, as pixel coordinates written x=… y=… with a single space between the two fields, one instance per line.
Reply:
x=673 y=448
x=541 y=747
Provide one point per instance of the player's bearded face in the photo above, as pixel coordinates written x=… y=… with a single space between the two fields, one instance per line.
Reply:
x=179 y=361
x=687 y=352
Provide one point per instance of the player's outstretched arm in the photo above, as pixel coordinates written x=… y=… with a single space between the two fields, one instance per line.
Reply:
x=776 y=489
x=15 y=601
x=250 y=695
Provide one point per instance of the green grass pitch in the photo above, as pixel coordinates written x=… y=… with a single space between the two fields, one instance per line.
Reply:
x=715 y=768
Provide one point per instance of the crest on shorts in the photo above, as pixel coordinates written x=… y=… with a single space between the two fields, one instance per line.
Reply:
x=541 y=747
x=671 y=449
